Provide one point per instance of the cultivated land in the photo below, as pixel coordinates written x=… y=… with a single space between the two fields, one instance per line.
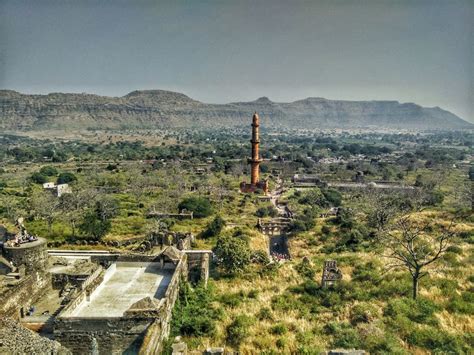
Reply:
x=256 y=305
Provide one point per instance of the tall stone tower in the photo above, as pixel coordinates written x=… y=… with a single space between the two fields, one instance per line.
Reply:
x=255 y=161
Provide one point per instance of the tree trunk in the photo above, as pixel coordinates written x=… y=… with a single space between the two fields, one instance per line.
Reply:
x=415 y=285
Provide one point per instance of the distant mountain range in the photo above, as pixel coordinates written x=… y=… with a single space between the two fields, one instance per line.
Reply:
x=166 y=109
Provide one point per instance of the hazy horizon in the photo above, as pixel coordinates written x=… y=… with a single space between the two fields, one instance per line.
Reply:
x=223 y=51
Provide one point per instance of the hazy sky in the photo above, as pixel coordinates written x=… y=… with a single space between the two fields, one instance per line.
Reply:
x=220 y=51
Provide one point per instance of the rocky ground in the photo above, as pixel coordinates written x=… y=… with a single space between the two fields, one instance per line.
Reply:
x=15 y=339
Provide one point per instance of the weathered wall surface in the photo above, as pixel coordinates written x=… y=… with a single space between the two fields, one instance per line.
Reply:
x=23 y=294
x=109 y=335
x=198 y=264
x=136 y=332
x=34 y=256
x=160 y=328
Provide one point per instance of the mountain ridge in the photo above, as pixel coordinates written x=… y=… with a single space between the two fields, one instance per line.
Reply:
x=168 y=109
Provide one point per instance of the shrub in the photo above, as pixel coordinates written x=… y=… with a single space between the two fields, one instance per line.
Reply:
x=194 y=313
x=66 y=178
x=238 y=330
x=334 y=197
x=462 y=304
x=232 y=300
x=313 y=197
x=265 y=313
x=326 y=230
x=344 y=336
x=200 y=206
x=266 y=211
x=214 y=228
x=304 y=222
x=436 y=340
x=38 y=178
x=253 y=294
x=390 y=286
x=232 y=254
x=448 y=287
x=434 y=198
x=363 y=313
x=305 y=269
x=419 y=310
x=285 y=302
x=279 y=329
x=260 y=257
x=48 y=171
x=280 y=343
x=366 y=272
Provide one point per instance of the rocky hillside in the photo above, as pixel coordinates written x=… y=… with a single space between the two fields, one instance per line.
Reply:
x=158 y=108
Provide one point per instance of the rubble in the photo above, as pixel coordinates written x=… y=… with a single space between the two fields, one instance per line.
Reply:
x=16 y=339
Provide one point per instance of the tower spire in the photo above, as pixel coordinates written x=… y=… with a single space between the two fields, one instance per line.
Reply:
x=255 y=161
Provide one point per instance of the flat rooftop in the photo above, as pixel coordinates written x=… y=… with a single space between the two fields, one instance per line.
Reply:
x=124 y=284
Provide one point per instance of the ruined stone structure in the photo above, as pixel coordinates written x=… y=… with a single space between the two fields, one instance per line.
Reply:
x=96 y=301
x=275 y=226
x=255 y=161
x=305 y=180
x=117 y=321
x=331 y=273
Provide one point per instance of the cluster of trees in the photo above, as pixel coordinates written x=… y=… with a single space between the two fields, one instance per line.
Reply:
x=87 y=212
x=47 y=172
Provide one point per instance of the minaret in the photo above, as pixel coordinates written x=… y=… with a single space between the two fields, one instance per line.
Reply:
x=255 y=161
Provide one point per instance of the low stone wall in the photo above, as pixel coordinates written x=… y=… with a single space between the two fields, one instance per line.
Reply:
x=23 y=294
x=160 y=328
x=81 y=281
x=107 y=335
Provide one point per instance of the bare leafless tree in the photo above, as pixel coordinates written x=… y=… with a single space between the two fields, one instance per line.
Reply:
x=74 y=204
x=414 y=246
x=45 y=206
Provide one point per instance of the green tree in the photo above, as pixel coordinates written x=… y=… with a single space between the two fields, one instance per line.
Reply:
x=232 y=254
x=38 y=178
x=65 y=178
x=48 y=171
x=93 y=226
x=214 y=228
x=200 y=206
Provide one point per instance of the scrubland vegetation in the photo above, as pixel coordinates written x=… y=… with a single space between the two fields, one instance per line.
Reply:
x=252 y=304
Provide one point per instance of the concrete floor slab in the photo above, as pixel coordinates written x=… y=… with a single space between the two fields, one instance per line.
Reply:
x=124 y=284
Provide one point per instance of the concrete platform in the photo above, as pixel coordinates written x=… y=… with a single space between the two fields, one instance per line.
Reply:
x=124 y=284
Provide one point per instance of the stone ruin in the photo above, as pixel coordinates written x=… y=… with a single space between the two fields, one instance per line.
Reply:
x=74 y=300
x=331 y=273
x=22 y=236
